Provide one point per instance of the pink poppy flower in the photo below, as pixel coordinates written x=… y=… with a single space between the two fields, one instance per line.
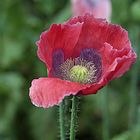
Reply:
x=99 y=8
x=82 y=55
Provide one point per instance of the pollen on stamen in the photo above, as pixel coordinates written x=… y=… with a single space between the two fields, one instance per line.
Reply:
x=78 y=70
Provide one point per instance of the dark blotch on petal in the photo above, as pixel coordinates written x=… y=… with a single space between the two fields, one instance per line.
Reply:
x=90 y=54
x=58 y=59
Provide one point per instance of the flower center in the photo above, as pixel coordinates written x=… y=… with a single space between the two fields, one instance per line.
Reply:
x=78 y=70
x=78 y=73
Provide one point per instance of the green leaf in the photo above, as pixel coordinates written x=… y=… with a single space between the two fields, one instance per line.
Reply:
x=11 y=51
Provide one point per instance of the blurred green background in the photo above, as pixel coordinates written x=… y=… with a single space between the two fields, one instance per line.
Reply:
x=114 y=112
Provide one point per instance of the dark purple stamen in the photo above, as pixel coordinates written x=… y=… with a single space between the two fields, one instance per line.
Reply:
x=88 y=54
x=92 y=55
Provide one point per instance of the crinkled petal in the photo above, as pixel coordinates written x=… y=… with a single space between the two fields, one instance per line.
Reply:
x=60 y=36
x=96 y=32
x=114 y=64
x=122 y=64
x=47 y=92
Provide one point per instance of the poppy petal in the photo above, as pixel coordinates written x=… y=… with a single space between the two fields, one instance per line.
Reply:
x=114 y=64
x=96 y=32
x=47 y=92
x=123 y=64
x=60 y=36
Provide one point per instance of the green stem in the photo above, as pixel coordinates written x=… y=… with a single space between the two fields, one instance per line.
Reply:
x=133 y=96
x=133 y=92
x=73 y=118
x=133 y=101
x=105 y=115
x=134 y=80
x=62 y=120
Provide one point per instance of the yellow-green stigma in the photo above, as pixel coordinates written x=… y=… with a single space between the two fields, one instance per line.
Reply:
x=78 y=70
x=78 y=74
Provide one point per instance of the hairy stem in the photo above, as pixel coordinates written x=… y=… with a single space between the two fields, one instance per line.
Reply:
x=73 y=118
x=62 y=120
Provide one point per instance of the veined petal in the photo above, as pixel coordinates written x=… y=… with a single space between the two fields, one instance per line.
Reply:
x=96 y=32
x=114 y=64
x=47 y=92
x=60 y=36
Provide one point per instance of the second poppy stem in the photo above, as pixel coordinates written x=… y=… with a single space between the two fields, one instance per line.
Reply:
x=62 y=120
x=73 y=117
